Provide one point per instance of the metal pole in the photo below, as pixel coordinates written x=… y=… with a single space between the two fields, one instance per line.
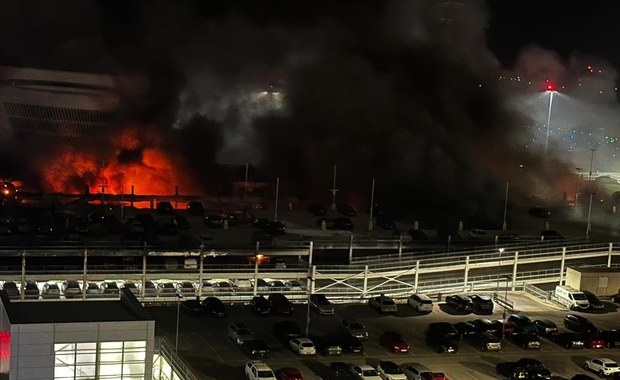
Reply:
x=245 y=188
x=310 y=253
x=548 y=122
x=514 y=271
x=365 y=288
x=256 y=274
x=334 y=191
x=84 y=282
x=23 y=285
x=201 y=273
x=609 y=253
x=372 y=203
x=505 y=298
x=350 y=249
x=466 y=274
x=562 y=265
x=499 y=266
x=417 y=275
x=589 y=226
x=400 y=246
x=143 y=290
x=275 y=215
x=591 y=163
x=176 y=337
x=504 y=225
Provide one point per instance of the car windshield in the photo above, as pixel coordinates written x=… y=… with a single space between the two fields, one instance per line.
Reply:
x=369 y=372
x=395 y=370
x=426 y=302
x=579 y=297
x=265 y=374
x=307 y=345
x=388 y=302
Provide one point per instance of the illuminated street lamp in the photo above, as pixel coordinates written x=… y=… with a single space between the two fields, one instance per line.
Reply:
x=550 y=88
x=499 y=265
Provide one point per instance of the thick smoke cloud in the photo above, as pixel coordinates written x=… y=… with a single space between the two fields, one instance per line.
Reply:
x=400 y=91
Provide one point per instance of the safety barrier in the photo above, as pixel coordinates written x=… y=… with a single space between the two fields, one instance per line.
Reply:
x=168 y=365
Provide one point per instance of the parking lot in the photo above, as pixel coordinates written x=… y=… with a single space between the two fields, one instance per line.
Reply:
x=203 y=343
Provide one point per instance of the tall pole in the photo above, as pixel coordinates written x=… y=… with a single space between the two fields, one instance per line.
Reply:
x=372 y=203
x=275 y=214
x=333 y=191
x=548 y=121
x=504 y=225
x=589 y=226
x=499 y=265
x=505 y=298
x=591 y=162
x=176 y=336
x=245 y=187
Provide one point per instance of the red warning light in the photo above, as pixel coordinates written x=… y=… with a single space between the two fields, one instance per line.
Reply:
x=550 y=86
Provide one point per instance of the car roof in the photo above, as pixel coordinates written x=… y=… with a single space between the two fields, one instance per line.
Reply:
x=607 y=360
x=365 y=367
x=422 y=296
x=260 y=365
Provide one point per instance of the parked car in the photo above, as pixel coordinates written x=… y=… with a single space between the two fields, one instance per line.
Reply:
x=534 y=368
x=540 y=212
x=593 y=340
x=546 y=327
x=341 y=371
x=349 y=343
x=302 y=346
x=256 y=370
x=165 y=208
x=317 y=209
x=420 y=303
x=482 y=304
x=321 y=304
x=390 y=371
x=488 y=326
x=487 y=341
x=50 y=290
x=239 y=333
x=289 y=373
x=522 y=323
x=186 y=288
x=214 y=221
x=460 y=303
x=466 y=329
x=525 y=340
x=511 y=371
x=551 y=235
x=386 y=222
x=569 y=340
x=260 y=305
x=328 y=345
x=192 y=307
x=421 y=372
x=394 y=342
x=354 y=328
x=442 y=336
x=11 y=289
x=31 y=290
x=71 y=289
x=365 y=372
x=595 y=302
x=579 y=324
x=611 y=338
x=602 y=366
x=256 y=349
x=109 y=287
x=346 y=210
x=213 y=306
x=286 y=330
x=166 y=288
x=280 y=304
x=383 y=304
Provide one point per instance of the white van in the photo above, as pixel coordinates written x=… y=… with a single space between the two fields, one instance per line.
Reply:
x=573 y=298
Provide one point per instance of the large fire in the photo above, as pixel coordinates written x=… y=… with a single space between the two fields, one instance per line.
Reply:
x=130 y=162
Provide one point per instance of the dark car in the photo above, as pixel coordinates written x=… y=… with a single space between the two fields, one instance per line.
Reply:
x=593 y=340
x=546 y=327
x=275 y=228
x=488 y=326
x=540 y=212
x=466 y=330
x=482 y=304
x=343 y=223
x=394 y=342
x=147 y=221
x=349 y=344
x=551 y=235
x=289 y=373
x=181 y=222
x=595 y=302
x=442 y=336
x=31 y=290
x=260 y=305
x=417 y=235
x=11 y=288
x=256 y=349
x=569 y=340
x=535 y=369
x=195 y=208
x=262 y=237
x=522 y=323
x=213 y=306
x=611 y=338
x=346 y=210
x=280 y=304
x=386 y=222
x=327 y=345
x=165 y=208
x=525 y=340
x=341 y=371
x=192 y=307
x=579 y=324
x=511 y=371
x=460 y=303
x=487 y=341
x=317 y=209
x=214 y=221
x=286 y=330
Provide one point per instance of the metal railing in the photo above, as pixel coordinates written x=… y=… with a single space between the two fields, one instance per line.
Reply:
x=537 y=292
x=168 y=365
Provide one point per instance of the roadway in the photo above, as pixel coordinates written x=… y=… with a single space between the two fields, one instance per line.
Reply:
x=202 y=341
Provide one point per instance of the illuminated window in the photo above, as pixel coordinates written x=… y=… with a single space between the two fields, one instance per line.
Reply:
x=110 y=360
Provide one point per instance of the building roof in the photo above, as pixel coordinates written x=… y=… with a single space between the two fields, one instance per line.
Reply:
x=128 y=308
x=595 y=269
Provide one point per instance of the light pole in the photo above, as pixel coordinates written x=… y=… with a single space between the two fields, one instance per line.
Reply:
x=372 y=202
x=245 y=187
x=551 y=91
x=275 y=213
x=504 y=224
x=506 y=296
x=589 y=226
x=334 y=191
x=591 y=162
x=176 y=335
x=499 y=265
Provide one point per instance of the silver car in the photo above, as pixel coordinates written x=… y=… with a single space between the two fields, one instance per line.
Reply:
x=239 y=333
x=321 y=304
x=383 y=304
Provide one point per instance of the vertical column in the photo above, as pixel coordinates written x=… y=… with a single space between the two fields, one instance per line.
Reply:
x=417 y=273
x=465 y=277
x=201 y=274
x=256 y=274
x=514 y=271
x=143 y=276
x=365 y=282
x=84 y=278
x=611 y=246
x=400 y=246
x=23 y=285
x=350 y=248
x=313 y=276
x=562 y=266
x=310 y=253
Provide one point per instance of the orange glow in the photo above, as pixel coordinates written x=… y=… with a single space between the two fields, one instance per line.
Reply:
x=153 y=172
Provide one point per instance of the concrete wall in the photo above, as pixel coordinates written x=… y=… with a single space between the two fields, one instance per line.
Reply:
x=32 y=345
x=603 y=283
x=573 y=278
